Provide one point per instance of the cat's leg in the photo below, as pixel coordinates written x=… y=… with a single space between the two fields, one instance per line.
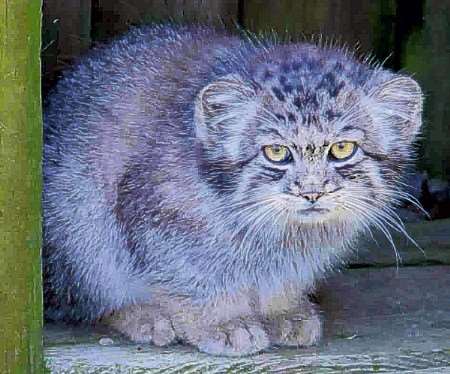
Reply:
x=298 y=327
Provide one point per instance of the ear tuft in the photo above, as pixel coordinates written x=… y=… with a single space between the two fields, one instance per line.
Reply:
x=399 y=102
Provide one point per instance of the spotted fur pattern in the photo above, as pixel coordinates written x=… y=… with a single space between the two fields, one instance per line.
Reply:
x=156 y=188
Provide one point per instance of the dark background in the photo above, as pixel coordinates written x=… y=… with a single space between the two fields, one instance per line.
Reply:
x=412 y=36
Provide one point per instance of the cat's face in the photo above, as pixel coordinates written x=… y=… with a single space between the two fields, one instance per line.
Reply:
x=314 y=173
x=320 y=152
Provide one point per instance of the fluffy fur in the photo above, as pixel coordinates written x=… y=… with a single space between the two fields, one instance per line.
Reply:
x=161 y=212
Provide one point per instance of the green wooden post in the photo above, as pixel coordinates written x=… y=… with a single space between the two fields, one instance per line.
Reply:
x=20 y=188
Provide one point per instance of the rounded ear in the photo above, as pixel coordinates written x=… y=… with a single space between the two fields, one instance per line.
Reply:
x=399 y=104
x=223 y=101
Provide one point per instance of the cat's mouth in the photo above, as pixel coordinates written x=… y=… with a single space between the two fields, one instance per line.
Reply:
x=314 y=210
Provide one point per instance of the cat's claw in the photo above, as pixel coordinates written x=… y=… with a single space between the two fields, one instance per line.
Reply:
x=235 y=338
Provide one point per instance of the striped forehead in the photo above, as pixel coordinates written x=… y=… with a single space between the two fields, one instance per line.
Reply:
x=310 y=104
x=309 y=138
x=284 y=126
x=308 y=98
x=310 y=141
x=307 y=124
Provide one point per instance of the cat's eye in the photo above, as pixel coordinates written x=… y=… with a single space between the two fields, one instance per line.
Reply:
x=342 y=150
x=277 y=153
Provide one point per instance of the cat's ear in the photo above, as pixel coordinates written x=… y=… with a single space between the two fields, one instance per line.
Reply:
x=399 y=106
x=227 y=100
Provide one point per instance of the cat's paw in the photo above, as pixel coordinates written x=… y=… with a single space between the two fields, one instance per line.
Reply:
x=296 y=330
x=234 y=338
x=143 y=324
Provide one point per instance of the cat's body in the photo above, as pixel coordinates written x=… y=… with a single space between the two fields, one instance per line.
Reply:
x=162 y=206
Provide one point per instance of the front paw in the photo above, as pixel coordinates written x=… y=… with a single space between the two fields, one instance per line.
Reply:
x=295 y=330
x=144 y=324
x=234 y=338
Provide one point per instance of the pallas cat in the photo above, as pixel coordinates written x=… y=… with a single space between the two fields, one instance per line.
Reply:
x=197 y=184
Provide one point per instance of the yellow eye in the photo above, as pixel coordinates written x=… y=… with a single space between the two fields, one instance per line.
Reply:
x=342 y=150
x=277 y=153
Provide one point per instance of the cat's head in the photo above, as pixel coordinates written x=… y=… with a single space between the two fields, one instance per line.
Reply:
x=314 y=139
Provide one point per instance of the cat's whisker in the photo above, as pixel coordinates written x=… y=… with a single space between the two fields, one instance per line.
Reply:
x=390 y=195
x=406 y=196
x=392 y=219
x=383 y=209
x=397 y=224
x=373 y=217
x=240 y=208
x=362 y=222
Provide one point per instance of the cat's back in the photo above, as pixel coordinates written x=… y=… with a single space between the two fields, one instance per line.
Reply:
x=150 y=62
x=135 y=91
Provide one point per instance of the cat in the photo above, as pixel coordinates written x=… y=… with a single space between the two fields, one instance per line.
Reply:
x=197 y=184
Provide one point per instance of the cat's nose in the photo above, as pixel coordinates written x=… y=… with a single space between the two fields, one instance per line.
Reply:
x=312 y=197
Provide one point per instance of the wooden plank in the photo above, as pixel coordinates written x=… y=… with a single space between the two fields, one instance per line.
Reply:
x=376 y=320
x=20 y=188
x=347 y=21
x=72 y=19
x=66 y=35
x=112 y=18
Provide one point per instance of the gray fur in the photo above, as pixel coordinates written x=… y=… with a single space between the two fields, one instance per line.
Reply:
x=156 y=188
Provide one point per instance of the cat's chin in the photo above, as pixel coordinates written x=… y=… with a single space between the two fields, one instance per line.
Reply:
x=318 y=215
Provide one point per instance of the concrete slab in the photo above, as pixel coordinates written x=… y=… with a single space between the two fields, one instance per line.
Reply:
x=376 y=320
